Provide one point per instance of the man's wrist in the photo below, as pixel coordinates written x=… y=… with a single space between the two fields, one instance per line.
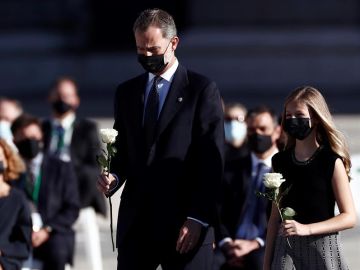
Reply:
x=48 y=229
x=260 y=241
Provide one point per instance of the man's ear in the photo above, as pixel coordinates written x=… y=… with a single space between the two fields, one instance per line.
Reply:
x=277 y=132
x=174 y=42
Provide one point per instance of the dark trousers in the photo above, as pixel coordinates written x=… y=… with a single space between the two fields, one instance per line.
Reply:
x=253 y=261
x=135 y=254
x=56 y=252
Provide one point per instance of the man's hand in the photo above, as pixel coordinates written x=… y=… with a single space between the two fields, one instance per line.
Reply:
x=189 y=236
x=238 y=249
x=104 y=182
x=39 y=237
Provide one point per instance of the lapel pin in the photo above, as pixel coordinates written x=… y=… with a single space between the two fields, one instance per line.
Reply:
x=180 y=99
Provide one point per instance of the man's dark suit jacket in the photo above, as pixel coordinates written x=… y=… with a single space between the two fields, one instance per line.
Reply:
x=181 y=174
x=58 y=206
x=85 y=145
x=235 y=191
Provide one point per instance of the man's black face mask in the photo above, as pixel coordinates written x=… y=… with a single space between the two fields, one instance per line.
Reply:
x=61 y=107
x=153 y=63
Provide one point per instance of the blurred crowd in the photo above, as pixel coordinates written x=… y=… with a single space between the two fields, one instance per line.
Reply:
x=48 y=171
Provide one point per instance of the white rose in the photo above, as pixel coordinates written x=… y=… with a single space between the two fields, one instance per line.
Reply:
x=273 y=180
x=108 y=135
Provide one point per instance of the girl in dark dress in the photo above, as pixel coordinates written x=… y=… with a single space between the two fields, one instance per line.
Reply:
x=316 y=166
x=15 y=221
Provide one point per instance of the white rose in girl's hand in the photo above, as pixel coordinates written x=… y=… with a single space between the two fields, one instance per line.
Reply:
x=108 y=135
x=273 y=180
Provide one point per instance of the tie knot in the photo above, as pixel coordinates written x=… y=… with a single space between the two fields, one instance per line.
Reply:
x=156 y=81
x=60 y=130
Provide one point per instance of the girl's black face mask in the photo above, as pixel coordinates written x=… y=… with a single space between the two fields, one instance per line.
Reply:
x=299 y=128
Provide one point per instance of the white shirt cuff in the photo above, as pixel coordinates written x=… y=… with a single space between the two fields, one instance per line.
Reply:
x=199 y=221
x=224 y=241
x=260 y=241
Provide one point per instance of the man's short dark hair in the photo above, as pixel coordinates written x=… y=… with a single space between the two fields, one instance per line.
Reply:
x=24 y=121
x=59 y=80
x=158 y=18
x=262 y=109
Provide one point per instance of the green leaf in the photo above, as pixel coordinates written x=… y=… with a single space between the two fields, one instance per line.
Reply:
x=112 y=150
x=102 y=161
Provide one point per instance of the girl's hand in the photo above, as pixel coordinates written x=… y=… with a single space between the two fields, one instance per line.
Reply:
x=292 y=227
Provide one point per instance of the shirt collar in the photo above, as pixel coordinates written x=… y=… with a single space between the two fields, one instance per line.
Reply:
x=66 y=122
x=255 y=160
x=167 y=75
x=36 y=161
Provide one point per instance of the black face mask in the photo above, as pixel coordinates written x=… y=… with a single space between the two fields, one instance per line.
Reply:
x=2 y=168
x=29 y=148
x=61 y=107
x=299 y=128
x=152 y=63
x=260 y=143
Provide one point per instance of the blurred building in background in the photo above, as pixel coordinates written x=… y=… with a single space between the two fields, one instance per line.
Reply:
x=257 y=50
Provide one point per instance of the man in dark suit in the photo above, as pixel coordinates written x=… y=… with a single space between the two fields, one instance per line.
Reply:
x=76 y=139
x=170 y=152
x=243 y=215
x=52 y=189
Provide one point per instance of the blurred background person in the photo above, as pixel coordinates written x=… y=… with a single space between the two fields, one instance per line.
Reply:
x=243 y=215
x=74 y=139
x=235 y=130
x=52 y=189
x=10 y=109
x=15 y=221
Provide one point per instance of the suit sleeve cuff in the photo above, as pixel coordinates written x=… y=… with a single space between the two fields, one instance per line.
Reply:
x=199 y=221
x=113 y=187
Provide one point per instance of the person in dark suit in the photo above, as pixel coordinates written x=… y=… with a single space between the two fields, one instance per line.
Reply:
x=170 y=152
x=15 y=221
x=243 y=215
x=53 y=192
x=76 y=139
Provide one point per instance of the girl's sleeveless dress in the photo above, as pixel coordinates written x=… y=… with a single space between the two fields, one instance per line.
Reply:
x=311 y=196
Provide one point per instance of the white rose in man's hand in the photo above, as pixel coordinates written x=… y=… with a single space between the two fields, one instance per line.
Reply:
x=108 y=135
x=273 y=180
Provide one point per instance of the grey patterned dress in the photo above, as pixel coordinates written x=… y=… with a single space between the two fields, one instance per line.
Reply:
x=316 y=252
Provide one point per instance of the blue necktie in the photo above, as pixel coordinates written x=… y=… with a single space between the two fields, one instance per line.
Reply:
x=247 y=229
x=151 y=112
x=60 y=133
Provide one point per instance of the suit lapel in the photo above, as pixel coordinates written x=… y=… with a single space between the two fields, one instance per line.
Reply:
x=136 y=105
x=175 y=97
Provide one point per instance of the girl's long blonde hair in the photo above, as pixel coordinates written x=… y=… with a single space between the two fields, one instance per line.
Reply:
x=327 y=133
